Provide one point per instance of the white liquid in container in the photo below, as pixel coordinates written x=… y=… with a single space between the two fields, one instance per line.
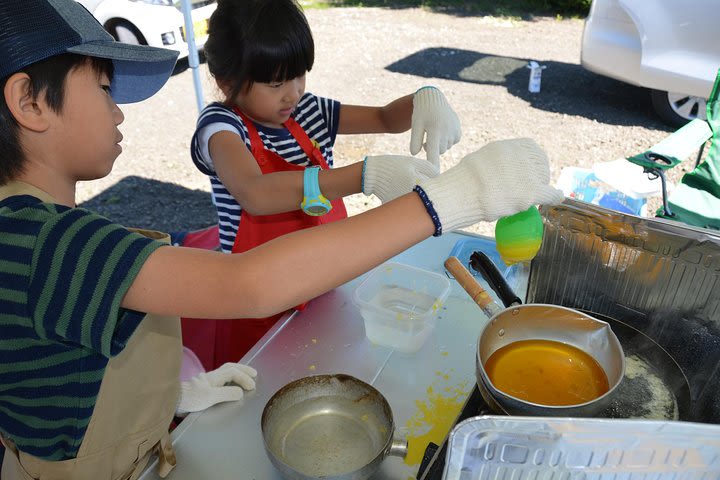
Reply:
x=400 y=304
x=400 y=318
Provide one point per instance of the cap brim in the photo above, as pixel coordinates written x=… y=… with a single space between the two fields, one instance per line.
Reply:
x=140 y=70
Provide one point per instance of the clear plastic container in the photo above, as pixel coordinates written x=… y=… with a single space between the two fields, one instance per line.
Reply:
x=400 y=304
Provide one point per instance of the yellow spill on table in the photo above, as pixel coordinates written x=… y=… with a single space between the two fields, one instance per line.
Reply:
x=435 y=415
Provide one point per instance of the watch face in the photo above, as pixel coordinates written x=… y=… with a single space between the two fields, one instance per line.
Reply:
x=316 y=210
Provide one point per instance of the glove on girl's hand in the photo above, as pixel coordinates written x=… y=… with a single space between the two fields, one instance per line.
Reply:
x=390 y=176
x=434 y=119
x=500 y=179
x=207 y=389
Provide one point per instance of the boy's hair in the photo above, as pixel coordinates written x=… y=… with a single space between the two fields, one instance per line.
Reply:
x=47 y=39
x=258 y=41
x=47 y=78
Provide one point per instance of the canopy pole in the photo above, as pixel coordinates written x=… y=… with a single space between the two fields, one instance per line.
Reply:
x=193 y=57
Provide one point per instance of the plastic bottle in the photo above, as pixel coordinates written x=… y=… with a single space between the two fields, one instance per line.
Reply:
x=535 y=76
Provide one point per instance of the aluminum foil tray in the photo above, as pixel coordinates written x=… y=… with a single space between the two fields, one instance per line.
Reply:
x=532 y=448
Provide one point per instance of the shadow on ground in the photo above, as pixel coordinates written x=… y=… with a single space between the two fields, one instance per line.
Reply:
x=152 y=204
x=566 y=88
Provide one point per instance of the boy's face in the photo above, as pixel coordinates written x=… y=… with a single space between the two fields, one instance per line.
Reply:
x=271 y=104
x=85 y=131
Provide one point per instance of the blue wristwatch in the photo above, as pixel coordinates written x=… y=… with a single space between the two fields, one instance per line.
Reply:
x=314 y=203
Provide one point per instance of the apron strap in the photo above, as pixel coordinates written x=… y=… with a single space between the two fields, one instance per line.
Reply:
x=166 y=456
x=8 y=444
x=309 y=147
x=257 y=147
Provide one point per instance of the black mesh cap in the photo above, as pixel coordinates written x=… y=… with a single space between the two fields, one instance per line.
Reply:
x=33 y=30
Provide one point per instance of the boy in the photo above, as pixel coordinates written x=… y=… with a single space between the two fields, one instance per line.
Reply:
x=90 y=349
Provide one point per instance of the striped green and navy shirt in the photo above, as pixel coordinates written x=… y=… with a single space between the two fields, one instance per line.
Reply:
x=63 y=274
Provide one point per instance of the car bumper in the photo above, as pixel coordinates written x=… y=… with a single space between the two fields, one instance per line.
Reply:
x=616 y=44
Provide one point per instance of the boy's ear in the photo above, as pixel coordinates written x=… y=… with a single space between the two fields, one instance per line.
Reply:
x=29 y=112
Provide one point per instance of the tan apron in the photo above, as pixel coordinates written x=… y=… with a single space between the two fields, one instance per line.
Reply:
x=134 y=408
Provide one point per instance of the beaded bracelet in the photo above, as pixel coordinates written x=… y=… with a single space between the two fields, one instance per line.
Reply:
x=362 y=175
x=430 y=210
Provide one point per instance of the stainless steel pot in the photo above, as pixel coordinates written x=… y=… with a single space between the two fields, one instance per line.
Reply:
x=329 y=426
x=539 y=322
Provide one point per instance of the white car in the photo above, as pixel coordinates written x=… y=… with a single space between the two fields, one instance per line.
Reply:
x=159 y=23
x=671 y=47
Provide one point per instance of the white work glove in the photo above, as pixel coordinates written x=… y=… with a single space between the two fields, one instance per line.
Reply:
x=433 y=120
x=390 y=176
x=207 y=389
x=499 y=180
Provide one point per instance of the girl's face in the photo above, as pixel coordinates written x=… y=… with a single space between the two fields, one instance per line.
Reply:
x=271 y=104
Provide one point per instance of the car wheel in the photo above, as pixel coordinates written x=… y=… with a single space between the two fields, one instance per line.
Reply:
x=677 y=109
x=126 y=33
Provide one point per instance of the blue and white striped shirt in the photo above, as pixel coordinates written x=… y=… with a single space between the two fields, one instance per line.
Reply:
x=316 y=115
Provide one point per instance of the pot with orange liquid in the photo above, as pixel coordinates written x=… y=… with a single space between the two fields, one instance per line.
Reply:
x=540 y=359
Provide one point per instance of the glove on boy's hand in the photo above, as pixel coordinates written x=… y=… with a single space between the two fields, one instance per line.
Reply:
x=390 y=176
x=500 y=179
x=207 y=389
x=434 y=119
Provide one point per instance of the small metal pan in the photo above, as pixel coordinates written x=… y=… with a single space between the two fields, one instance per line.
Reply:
x=333 y=427
x=539 y=322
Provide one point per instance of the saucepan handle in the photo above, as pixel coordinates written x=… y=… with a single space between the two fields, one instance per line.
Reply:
x=472 y=287
x=482 y=264
x=398 y=448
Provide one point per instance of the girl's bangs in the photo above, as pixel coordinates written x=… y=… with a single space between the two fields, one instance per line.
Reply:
x=281 y=61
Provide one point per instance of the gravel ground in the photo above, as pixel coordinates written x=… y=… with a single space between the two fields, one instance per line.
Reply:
x=371 y=56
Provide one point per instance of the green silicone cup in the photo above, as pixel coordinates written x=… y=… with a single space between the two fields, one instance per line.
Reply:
x=519 y=236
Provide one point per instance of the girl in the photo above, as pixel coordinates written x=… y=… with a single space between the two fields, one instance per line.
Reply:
x=269 y=143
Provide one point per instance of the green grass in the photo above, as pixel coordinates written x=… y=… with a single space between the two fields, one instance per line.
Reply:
x=500 y=8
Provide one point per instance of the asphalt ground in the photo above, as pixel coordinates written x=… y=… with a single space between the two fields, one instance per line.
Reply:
x=371 y=56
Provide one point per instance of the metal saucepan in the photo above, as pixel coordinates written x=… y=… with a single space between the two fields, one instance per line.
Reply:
x=330 y=427
x=539 y=322
x=654 y=385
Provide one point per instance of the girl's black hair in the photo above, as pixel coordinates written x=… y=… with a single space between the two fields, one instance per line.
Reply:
x=47 y=77
x=258 y=41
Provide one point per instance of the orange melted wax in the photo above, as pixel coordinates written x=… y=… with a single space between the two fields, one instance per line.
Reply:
x=546 y=372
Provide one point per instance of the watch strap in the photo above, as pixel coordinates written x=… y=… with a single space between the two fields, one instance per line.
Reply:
x=314 y=203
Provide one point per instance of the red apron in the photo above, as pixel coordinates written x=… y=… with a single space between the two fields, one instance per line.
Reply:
x=255 y=230
x=233 y=338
